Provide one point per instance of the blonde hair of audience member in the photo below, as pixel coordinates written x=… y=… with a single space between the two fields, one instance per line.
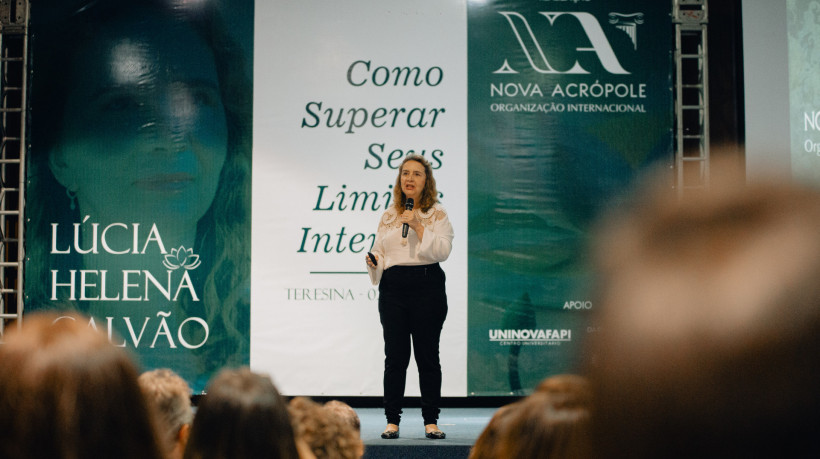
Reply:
x=242 y=415
x=67 y=392
x=552 y=422
x=709 y=316
x=329 y=435
x=170 y=395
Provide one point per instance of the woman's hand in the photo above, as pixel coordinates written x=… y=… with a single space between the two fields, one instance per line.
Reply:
x=369 y=262
x=409 y=217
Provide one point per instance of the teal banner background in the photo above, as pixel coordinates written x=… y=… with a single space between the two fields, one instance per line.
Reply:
x=568 y=103
x=139 y=186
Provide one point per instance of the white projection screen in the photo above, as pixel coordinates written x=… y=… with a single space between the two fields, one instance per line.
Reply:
x=315 y=321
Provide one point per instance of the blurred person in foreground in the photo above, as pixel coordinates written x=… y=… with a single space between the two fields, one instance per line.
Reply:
x=242 y=415
x=708 y=311
x=553 y=422
x=170 y=396
x=67 y=392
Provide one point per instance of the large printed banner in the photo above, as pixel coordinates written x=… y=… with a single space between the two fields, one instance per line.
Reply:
x=138 y=193
x=344 y=90
x=569 y=100
x=143 y=213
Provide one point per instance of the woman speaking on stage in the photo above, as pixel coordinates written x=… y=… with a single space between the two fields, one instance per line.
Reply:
x=414 y=235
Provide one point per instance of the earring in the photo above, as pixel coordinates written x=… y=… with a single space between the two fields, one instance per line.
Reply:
x=72 y=198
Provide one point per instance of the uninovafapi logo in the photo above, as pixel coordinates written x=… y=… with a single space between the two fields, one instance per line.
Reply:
x=531 y=336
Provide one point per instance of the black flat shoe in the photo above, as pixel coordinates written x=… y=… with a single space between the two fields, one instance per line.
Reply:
x=390 y=434
x=436 y=435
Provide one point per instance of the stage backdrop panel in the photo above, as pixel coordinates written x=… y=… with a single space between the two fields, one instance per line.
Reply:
x=343 y=91
x=144 y=123
x=568 y=102
x=138 y=192
x=803 y=26
x=782 y=117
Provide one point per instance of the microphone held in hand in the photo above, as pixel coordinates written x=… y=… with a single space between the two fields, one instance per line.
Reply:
x=404 y=227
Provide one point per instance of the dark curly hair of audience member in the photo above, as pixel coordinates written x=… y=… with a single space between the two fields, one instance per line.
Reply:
x=328 y=435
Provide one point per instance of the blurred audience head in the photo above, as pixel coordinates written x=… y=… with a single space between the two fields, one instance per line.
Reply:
x=170 y=396
x=574 y=387
x=67 y=392
x=242 y=415
x=552 y=422
x=326 y=433
x=346 y=412
x=708 y=319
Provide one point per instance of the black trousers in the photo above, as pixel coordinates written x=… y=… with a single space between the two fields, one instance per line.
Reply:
x=412 y=305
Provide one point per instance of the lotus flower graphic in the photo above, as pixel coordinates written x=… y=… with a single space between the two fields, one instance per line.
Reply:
x=181 y=258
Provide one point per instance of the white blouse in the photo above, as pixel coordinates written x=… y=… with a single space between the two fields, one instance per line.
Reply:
x=392 y=249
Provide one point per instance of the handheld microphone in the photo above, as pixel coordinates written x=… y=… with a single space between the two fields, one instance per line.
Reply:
x=404 y=227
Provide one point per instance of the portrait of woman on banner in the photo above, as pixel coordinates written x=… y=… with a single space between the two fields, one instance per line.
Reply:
x=139 y=186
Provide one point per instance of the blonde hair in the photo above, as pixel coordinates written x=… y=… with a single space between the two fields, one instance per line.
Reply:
x=429 y=195
x=170 y=396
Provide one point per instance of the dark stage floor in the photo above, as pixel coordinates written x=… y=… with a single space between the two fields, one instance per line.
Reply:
x=462 y=426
